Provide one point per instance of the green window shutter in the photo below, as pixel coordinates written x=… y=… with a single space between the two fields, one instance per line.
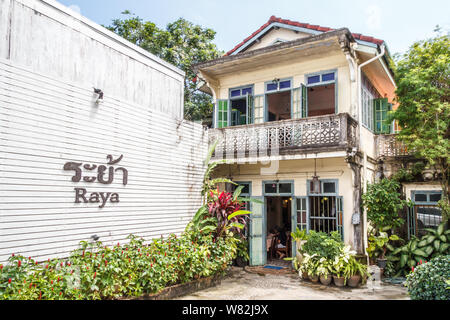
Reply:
x=296 y=104
x=258 y=109
x=304 y=101
x=222 y=113
x=250 y=111
x=257 y=237
x=381 y=109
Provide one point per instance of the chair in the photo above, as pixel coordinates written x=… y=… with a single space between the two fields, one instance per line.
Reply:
x=272 y=248
x=287 y=248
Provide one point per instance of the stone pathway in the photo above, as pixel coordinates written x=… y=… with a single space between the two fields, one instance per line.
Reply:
x=287 y=285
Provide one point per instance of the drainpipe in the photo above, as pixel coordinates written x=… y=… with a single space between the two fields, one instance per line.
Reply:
x=359 y=238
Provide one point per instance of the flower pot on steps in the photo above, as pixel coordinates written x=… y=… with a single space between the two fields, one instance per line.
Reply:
x=314 y=279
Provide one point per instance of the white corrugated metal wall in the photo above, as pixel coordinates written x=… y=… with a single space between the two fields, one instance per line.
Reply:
x=47 y=120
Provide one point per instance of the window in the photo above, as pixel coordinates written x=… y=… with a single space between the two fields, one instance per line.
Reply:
x=374 y=108
x=425 y=213
x=327 y=187
x=241 y=112
x=277 y=85
x=321 y=93
x=276 y=187
x=241 y=92
x=222 y=113
x=426 y=197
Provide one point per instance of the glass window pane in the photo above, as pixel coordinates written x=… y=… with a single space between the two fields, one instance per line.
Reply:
x=314 y=79
x=236 y=93
x=247 y=90
x=246 y=189
x=420 y=197
x=285 y=84
x=285 y=188
x=271 y=86
x=328 y=77
x=435 y=197
x=329 y=187
x=270 y=188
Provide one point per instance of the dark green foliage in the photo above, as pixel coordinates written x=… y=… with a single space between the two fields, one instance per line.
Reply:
x=134 y=269
x=322 y=244
x=435 y=243
x=383 y=203
x=429 y=281
x=423 y=92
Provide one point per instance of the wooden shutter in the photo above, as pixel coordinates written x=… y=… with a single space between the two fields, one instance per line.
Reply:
x=257 y=237
x=250 y=111
x=296 y=104
x=258 y=106
x=222 y=113
x=304 y=101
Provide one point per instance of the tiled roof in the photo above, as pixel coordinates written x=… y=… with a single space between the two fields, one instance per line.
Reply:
x=273 y=19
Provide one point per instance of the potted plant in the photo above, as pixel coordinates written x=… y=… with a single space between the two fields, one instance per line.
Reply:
x=339 y=265
x=242 y=256
x=353 y=272
x=300 y=237
x=309 y=267
x=324 y=270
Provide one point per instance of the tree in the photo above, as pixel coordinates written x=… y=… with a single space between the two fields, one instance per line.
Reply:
x=423 y=93
x=182 y=44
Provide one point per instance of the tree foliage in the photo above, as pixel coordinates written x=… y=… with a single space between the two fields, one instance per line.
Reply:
x=383 y=203
x=182 y=44
x=423 y=93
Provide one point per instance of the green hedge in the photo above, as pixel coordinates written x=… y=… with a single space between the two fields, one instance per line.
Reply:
x=429 y=281
x=99 y=272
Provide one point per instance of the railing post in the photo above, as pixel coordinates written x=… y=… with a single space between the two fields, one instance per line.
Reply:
x=343 y=119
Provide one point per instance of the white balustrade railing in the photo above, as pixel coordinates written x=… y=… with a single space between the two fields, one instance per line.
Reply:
x=259 y=139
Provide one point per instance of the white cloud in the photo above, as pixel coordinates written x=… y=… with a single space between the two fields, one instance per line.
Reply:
x=373 y=17
x=75 y=8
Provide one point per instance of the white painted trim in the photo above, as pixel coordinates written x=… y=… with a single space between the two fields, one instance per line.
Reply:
x=274 y=24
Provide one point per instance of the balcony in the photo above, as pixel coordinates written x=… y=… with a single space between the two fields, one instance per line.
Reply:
x=388 y=146
x=286 y=137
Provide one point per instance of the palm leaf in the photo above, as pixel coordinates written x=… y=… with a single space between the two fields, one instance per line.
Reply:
x=238 y=213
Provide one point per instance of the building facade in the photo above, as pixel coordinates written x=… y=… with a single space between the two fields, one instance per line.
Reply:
x=298 y=112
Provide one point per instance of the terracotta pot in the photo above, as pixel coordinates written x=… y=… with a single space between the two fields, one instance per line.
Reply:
x=339 y=281
x=314 y=279
x=326 y=280
x=353 y=281
x=305 y=276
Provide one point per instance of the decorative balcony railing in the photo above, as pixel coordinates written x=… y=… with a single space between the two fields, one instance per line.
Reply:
x=388 y=146
x=285 y=137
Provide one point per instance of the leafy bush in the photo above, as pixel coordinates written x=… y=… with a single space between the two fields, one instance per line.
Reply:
x=98 y=272
x=431 y=245
x=322 y=244
x=429 y=280
x=382 y=201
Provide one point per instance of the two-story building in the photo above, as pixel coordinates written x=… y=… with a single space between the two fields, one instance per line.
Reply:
x=297 y=110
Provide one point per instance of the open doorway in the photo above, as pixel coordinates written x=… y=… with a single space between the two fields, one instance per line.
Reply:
x=321 y=100
x=279 y=106
x=278 y=229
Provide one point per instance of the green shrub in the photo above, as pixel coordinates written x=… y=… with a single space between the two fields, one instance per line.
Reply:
x=99 y=272
x=323 y=245
x=428 y=281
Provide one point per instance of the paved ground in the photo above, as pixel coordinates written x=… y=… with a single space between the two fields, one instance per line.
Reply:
x=288 y=286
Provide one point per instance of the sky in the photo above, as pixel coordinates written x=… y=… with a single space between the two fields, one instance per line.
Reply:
x=398 y=22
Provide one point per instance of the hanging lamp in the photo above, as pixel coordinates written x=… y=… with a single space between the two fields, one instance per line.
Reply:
x=315 y=183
